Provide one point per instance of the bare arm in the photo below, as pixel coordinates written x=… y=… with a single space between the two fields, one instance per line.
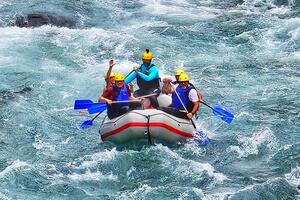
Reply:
x=195 y=108
x=111 y=64
x=105 y=100
x=105 y=95
x=199 y=95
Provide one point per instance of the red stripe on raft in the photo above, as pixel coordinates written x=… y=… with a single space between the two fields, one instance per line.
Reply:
x=143 y=124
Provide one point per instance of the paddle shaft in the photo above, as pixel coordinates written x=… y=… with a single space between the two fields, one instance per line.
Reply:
x=145 y=96
x=211 y=107
x=206 y=104
x=96 y=116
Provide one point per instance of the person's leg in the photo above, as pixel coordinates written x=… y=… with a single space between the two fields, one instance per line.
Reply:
x=153 y=99
x=110 y=112
x=138 y=93
x=168 y=110
x=123 y=110
x=135 y=106
x=116 y=111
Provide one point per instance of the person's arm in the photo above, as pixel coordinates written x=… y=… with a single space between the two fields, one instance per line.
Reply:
x=105 y=100
x=195 y=108
x=105 y=96
x=193 y=96
x=130 y=77
x=130 y=97
x=107 y=76
x=198 y=92
x=131 y=87
x=153 y=74
x=199 y=96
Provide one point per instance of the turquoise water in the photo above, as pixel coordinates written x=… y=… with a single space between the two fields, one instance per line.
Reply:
x=242 y=54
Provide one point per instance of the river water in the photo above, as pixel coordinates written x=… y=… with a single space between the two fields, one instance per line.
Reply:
x=243 y=54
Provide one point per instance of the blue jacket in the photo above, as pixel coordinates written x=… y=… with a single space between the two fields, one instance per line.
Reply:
x=147 y=77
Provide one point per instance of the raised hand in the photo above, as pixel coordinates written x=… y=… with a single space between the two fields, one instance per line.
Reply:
x=135 y=69
x=111 y=63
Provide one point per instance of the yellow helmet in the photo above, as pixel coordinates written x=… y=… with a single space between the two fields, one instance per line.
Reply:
x=147 y=55
x=178 y=72
x=112 y=74
x=119 y=77
x=183 y=78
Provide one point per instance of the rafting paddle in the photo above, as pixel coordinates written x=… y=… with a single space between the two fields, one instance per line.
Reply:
x=89 y=122
x=97 y=107
x=218 y=110
x=82 y=104
x=221 y=112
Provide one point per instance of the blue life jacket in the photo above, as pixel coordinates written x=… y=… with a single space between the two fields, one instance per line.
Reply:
x=121 y=94
x=184 y=96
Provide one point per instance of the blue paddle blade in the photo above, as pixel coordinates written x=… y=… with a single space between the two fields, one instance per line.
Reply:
x=201 y=138
x=82 y=104
x=86 y=123
x=97 y=107
x=223 y=113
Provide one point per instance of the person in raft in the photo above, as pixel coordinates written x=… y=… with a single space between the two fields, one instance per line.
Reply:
x=184 y=97
x=147 y=77
x=119 y=92
x=169 y=83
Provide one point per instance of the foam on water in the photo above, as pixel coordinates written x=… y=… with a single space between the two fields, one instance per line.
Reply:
x=101 y=157
x=179 y=9
x=250 y=146
x=244 y=55
x=3 y=197
x=92 y=176
x=276 y=188
x=294 y=177
x=15 y=165
x=39 y=144
x=190 y=168
x=141 y=191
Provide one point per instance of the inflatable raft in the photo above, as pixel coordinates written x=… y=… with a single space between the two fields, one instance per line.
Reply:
x=151 y=125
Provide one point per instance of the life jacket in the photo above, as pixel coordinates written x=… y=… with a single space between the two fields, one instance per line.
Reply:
x=120 y=94
x=147 y=85
x=184 y=96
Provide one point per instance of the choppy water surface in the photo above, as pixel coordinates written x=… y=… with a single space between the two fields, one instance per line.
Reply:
x=242 y=54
